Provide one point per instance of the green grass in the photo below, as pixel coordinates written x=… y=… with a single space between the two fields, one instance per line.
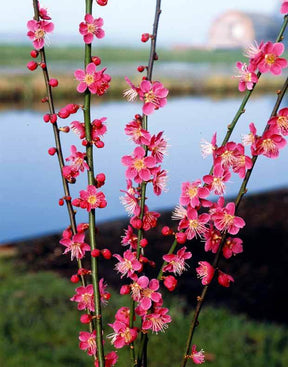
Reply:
x=16 y=55
x=39 y=327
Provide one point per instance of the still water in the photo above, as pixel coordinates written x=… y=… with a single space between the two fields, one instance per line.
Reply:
x=30 y=184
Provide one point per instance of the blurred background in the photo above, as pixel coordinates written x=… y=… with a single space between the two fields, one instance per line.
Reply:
x=198 y=46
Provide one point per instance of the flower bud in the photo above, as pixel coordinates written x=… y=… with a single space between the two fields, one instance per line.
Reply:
x=85 y=319
x=125 y=289
x=53 y=118
x=74 y=278
x=42 y=65
x=46 y=117
x=34 y=53
x=61 y=202
x=96 y=60
x=32 y=65
x=170 y=283
x=141 y=68
x=143 y=242
x=95 y=252
x=166 y=231
x=145 y=37
x=106 y=253
x=52 y=151
x=102 y=2
x=53 y=83
x=181 y=238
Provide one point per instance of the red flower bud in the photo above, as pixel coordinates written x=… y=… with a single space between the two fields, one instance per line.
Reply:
x=52 y=151
x=145 y=37
x=42 y=65
x=72 y=108
x=83 y=271
x=181 y=238
x=106 y=253
x=32 y=65
x=85 y=319
x=74 y=278
x=166 y=231
x=102 y=2
x=34 y=53
x=125 y=289
x=63 y=113
x=61 y=202
x=99 y=144
x=46 y=117
x=64 y=129
x=96 y=60
x=53 y=118
x=143 y=242
x=53 y=83
x=170 y=283
x=141 y=68
x=95 y=252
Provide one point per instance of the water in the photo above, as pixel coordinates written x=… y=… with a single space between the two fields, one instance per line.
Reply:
x=30 y=185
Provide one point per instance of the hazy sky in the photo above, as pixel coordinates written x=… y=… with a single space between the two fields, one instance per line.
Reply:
x=181 y=22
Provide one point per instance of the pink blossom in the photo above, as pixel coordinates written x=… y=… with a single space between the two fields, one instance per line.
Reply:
x=149 y=219
x=130 y=200
x=75 y=245
x=156 y=321
x=144 y=292
x=43 y=13
x=90 y=28
x=77 y=159
x=159 y=180
x=154 y=96
x=130 y=238
x=212 y=239
x=90 y=199
x=271 y=60
x=85 y=298
x=158 y=147
x=170 y=282
x=284 y=7
x=192 y=192
x=216 y=181
x=88 y=342
x=98 y=128
x=242 y=162
x=78 y=128
x=232 y=246
x=205 y=271
x=225 y=220
x=37 y=32
x=208 y=148
x=138 y=165
x=270 y=143
x=280 y=121
x=95 y=81
x=227 y=155
x=123 y=335
x=247 y=77
x=123 y=315
x=176 y=262
x=110 y=360
x=128 y=264
x=139 y=135
x=194 y=224
x=224 y=279
x=197 y=357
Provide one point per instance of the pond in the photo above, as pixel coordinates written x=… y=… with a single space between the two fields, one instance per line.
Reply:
x=30 y=185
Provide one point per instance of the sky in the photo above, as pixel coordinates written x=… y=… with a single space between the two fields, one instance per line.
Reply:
x=182 y=22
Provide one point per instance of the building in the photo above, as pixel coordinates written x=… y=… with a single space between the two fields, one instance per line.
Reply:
x=237 y=29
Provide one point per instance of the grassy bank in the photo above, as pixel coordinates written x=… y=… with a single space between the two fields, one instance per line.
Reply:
x=18 y=85
x=39 y=327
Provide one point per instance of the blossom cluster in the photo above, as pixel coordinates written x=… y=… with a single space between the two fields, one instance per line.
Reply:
x=263 y=58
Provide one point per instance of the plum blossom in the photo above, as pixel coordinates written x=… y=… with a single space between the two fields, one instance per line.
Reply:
x=194 y=224
x=192 y=192
x=128 y=264
x=88 y=342
x=247 y=77
x=90 y=199
x=284 y=7
x=280 y=121
x=205 y=272
x=176 y=262
x=138 y=165
x=90 y=28
x=154 y=96
x=197 y=357
x=156 y=321
x=37 y=32
x=270 y=143
x=224 y=279
x=123 y=335
x=232 y=246
x=225 y=220
x=271 y=60
x=96 y=81
x=85 y=298
x=75 y=245
x=77 y=159
x=216 y=181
